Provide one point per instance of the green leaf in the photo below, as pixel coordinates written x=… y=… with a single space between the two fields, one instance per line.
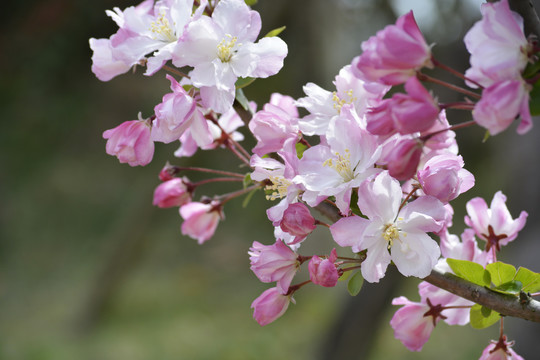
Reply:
x=248 y=197
x=355 y=284
x=501 y=273
x=243 y=82
x=529 y=279
x=242 y=99
x=483 y=317
x=275 y=32
x=251 y=2
x=486 y=136
x=300 y=148
x=531 y=69
x=512 y=287
x=534 y=102
x=470 y=271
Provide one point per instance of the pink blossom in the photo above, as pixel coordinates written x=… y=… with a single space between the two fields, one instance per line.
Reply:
x=500 y=350
x=495 y=224
x=297 y=221
x=497 y=45
x=341 y=165
x=351 y=93
x=222 y=48
x=408 y=113
x=104 y=65
x=324 y=272
x=501 y=103
x=200 y=220
x=270 y=305
x=394 y=54
x=130 y=142
x=442 y=140
x=275 y=262
x=390 y=233
x=171 y=193
x=403 y=160
x=412 y=323
x=444 y=177
x=273 y=125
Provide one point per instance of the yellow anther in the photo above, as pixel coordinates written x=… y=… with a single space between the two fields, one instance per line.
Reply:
x=279 y=187
x=342 y=165
x=162 y=29
x=225 y=48
x=339 y=102
x=390 y=233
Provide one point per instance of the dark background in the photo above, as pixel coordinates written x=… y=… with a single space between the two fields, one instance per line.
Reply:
x=90 y=270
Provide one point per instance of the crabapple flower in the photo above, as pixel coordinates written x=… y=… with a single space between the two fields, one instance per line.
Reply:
x=404 y=158
x=500 y=350
x=174 y=115
x=270 y=305
x=274 y=125
x=275 y=262
x=408 y=113
x=323 y=271
x=341 y=165
x=171 y=193
x=414 y=322
x=200 y=220
x=501 y=103
x=444 y=177
x=394 y=54
x=324 y=105
x=222 y=48
x=297 y=221
x=143 y=29
x=495 y=224
x=497 y=44
x=391 y=233
x=131 y=142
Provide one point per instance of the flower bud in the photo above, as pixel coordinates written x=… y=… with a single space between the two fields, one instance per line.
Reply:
x=130 y=142
x=297 y=221
x=324 y=272
x=171 y=193
x=403 y=160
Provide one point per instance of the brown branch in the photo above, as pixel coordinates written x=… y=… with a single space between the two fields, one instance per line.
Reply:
x=507 y=305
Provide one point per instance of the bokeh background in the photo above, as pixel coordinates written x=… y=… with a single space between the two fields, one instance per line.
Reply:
x=90 y=270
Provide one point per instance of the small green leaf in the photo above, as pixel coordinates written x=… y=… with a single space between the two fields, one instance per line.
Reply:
x=247 y=180
x=529 y=279
x=248 y=197
x=243 y=82
x=531 y=69
x=300 y=148
x=470 y=271
x=534 y=99
x=512 y=287
x=355 y=284
x=486 y=136
x=501 y=273
x=251 y=2
x=275 y=32
x=483 y=317
x=242 y=99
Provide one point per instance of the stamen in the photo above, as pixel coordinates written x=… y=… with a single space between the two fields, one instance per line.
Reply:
x=342 y=165
x=279 y=187
x=162 y=29
x=339 y=102
x=225 y=48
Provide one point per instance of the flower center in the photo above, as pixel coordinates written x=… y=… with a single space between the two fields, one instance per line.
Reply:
x=391 y=232
x=342 y=165
x=339 y=102
x=162 y=29
x=279 y=187
x=226 y=46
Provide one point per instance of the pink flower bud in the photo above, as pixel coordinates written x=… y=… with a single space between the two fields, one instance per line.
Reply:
x=130 y=142
x=500 y=104
x=297 y=221
x=443 y=176
x=274 y=263
x=394 y=54
x=403 y=160
x=500 y=350
x=324 y=272
x=200 y=220
x=269 y=306
x=171 y=193
x=168 y=172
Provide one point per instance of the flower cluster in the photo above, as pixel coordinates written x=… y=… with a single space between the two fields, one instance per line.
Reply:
x=386 y=168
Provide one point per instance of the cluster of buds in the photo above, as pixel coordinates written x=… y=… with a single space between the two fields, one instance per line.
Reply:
x=387 y=167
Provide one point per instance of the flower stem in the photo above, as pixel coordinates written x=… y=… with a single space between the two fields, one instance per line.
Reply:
x=454 y=72
x=175 y=71
x=424 y=77
x=226 y=197
x=220 y=179
x=212 y=171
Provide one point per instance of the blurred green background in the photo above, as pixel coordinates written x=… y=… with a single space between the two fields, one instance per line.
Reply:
x=90 y=270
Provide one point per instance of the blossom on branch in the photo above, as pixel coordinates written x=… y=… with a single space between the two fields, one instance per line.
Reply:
x=131 y=142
